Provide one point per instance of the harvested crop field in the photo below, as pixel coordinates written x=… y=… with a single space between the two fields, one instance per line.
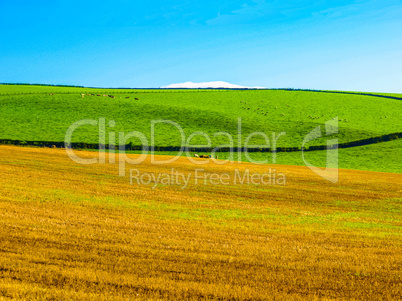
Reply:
x=83 y=232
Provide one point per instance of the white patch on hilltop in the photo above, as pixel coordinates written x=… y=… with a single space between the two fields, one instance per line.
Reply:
x=206 y=85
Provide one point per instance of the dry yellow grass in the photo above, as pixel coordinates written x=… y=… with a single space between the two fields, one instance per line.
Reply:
x=72 y=232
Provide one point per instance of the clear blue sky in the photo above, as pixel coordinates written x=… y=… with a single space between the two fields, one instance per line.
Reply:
x=343 y=45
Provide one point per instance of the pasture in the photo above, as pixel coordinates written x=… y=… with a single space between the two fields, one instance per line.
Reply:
x=32 y=113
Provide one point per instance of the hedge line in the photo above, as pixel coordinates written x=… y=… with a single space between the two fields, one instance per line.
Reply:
x=131 y=146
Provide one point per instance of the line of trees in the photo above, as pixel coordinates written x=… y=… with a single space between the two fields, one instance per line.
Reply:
x=42 y=85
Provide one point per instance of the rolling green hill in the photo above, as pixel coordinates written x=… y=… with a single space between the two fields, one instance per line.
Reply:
x=32 y=113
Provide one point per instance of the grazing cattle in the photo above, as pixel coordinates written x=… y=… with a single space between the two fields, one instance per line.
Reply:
x=98 y=95
x=195 y=155
x=136 y=98
x=127 y=96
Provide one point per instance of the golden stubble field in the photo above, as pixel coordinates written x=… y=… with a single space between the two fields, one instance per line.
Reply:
x=81 y=232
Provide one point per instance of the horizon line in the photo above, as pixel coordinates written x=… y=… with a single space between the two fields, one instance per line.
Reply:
x=364 y=93
x=164 y=88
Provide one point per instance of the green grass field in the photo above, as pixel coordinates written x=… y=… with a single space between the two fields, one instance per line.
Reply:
x=30 y=113
x=44 y=113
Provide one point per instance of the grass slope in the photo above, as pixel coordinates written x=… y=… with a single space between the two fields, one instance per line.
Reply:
x=380 y=157
x=30 y=113
x=83 y=233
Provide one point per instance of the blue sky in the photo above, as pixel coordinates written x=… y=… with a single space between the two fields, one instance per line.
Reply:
x=339 y=45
